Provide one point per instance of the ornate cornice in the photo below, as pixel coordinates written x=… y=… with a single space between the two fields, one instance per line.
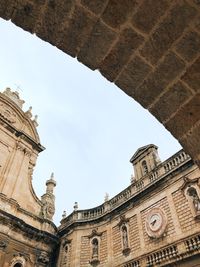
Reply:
x=27 y=230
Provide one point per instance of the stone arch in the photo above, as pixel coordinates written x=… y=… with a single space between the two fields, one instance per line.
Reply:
x=18 y=261
x=149 y=49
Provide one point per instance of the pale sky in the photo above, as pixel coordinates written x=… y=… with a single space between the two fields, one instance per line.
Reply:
x=90 y=128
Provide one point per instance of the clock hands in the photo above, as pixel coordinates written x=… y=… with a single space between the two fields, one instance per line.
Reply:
x=152 y=223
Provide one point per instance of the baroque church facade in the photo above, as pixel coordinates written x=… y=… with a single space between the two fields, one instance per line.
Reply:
x=155 y=221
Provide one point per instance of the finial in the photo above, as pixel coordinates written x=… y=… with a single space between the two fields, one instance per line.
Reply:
x=51 y=182
x=52 y=175
x=28 y=113
x=132 y=179
x=35 y=120
x=106 y=198
x=75 y=206
x=14 y=96
x=64 y=215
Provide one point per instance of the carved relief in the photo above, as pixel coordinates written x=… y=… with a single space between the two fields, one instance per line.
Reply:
x=48 y=206
x=3 y=244
x=43 y=258
x=19 y=259
x=190 y=189
x=14 y=96
x=7 y=114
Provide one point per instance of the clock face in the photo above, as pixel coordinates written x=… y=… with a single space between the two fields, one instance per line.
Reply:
x=156 y=222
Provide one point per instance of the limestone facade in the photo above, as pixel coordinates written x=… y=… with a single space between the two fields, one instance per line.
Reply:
x=153 y=222
x=27 y=235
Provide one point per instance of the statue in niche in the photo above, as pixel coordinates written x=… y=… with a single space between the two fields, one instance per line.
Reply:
x=66 y=249
x=192 y=192
x=95 y=249
x=125 y=237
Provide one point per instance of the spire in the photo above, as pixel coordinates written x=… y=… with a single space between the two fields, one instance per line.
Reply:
x=51 y=183
x=48 y=199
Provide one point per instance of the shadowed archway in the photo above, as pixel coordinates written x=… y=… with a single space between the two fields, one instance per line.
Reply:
x=149 y=48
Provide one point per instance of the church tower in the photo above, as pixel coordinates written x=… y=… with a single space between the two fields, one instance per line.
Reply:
x=144 y=160
x=27 y=233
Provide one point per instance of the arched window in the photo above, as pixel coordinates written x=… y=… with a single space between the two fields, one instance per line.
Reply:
x=144 y=167
x=95 y=248
x=17 y=265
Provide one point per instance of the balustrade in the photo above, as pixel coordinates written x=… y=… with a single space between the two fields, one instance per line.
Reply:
x=162 y=255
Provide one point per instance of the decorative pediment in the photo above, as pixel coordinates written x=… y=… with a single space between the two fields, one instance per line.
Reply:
x=188 y=182
x=66 y=242
x=140 y=151
x=95 y=233
x=123 y=220
x=3 y=244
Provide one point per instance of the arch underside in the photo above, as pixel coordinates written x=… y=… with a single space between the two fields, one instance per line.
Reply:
x=150 y=49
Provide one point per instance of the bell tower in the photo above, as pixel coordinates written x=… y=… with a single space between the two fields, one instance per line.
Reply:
x=144 y=160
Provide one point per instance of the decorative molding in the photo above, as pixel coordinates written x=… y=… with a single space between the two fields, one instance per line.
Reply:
x=7 y=114
x=123 y=220
x=26 y=230
x=95 y=233
x=14 y=96
x=3 y=244
x=43 y=258
x=156 y=223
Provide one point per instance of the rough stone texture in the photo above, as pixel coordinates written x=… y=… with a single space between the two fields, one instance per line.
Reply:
x=97 y=46
x=191 y=142
x=118 y=11
x=133 y=75
x=7 y=8
x=149 y=13
x=95 y=6
x=186 y=117
x=157 y=81
x=150 y=242
x=182 y=206
x=95 y=32
x=189 y=46
x=128 y=42
x=25 y=14
x=169 y=31
x=50 y=26
x=78 y=30
x=134 y=234
x=170 y=101
x=192 y=75
x=85 y=251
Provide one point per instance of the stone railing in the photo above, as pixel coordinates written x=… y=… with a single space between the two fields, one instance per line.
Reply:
x=163 y=169
x=162 y=255
x=167 y=255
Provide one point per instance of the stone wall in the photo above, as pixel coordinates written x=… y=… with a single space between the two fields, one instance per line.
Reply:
x=148 y=48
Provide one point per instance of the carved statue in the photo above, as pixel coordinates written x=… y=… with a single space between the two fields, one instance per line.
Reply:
x=195 y=198
x=43 y=257
x=95 y=249
x=48 y=208
x=125 y=237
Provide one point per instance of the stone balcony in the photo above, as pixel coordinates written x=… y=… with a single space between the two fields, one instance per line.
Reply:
x=162 y=170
